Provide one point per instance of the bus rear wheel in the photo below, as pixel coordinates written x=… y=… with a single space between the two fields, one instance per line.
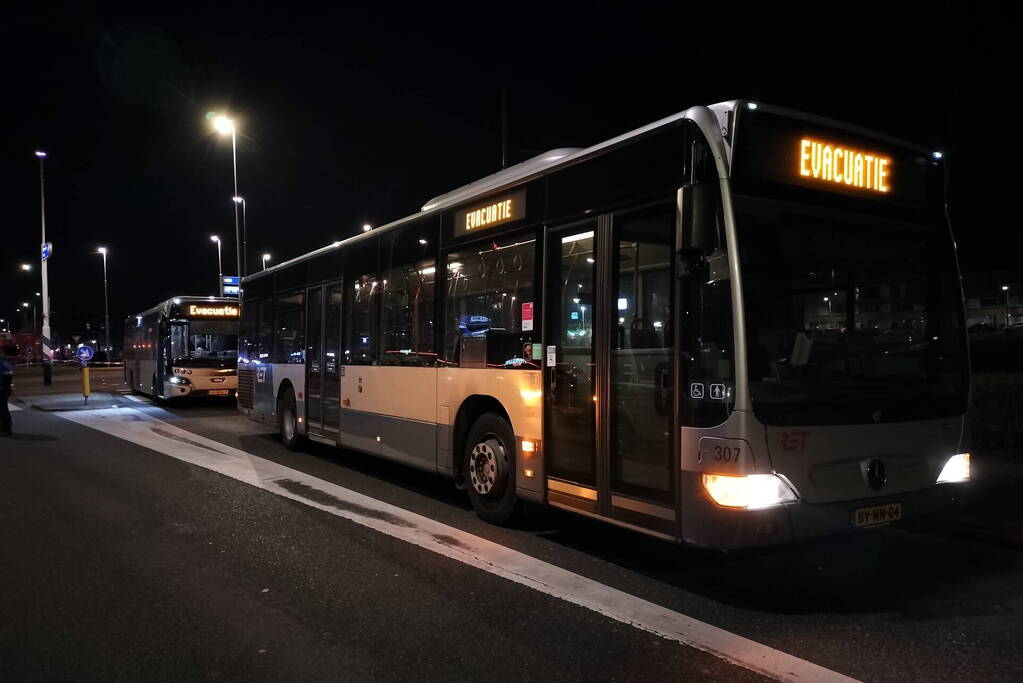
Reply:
x=489 y=468
x=287 y=421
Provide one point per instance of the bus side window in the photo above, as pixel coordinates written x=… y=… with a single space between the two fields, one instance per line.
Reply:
x=489 y=291
x=407 y=297
x=361 y=345
x=290 y=328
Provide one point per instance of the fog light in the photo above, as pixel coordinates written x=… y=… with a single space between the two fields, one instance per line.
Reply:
x=528 y=446
x=957 y=468
x=750 y=492
x=529 y=473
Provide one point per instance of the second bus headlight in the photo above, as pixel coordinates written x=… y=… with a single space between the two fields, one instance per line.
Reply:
x=179 y=380
x=751 y=492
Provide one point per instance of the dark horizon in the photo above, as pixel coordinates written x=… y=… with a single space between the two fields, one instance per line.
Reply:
x=359 y=117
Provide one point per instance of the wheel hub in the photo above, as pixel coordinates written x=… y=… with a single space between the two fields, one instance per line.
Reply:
x=484 y=466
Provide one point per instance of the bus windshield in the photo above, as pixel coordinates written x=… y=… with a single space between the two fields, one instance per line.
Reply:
x=204 y=341
x=849 y=320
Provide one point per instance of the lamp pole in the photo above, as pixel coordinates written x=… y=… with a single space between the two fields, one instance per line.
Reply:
x=41 y=155
x=106 y=300
x=220 y=266
x=245 y=252
x=266 y=257
x=225 y=125
x=1005 y=288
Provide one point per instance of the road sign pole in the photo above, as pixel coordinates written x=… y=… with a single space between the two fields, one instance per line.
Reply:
x=47 y=352
x=85 y=383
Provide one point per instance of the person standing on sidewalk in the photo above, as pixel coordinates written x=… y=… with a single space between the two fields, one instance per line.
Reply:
x=6 y=382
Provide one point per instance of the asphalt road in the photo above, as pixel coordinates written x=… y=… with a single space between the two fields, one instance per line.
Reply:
x=120 y=562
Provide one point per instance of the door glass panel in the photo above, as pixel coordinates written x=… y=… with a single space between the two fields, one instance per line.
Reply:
x=332 y=355
x=570 y=391
x=314 y=359
x=642 y=368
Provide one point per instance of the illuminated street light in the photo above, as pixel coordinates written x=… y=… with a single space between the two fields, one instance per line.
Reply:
x=106 y=301
x=224 y=125
x=26 y=267
x=367 y=227
x=220 y=267
x=266 y=257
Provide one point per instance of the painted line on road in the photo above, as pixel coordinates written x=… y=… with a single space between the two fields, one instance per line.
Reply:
x=14 y=408
x=146 y=431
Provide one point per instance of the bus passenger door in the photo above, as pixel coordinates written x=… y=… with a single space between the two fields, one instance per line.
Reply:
x=609 y=394
x=314 y=361
x=323 y=360
x=332 y=357
x=570 y=367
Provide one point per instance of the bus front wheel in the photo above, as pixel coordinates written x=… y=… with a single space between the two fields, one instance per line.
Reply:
x=287 y=422
x=489 y=468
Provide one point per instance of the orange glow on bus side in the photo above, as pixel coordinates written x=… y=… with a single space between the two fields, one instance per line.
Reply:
x=844 y=166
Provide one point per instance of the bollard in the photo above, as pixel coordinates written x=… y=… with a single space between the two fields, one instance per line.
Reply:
x=47 y=374
x=85 y=384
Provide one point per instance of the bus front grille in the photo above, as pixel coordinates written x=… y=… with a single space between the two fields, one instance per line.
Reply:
x=246 y=388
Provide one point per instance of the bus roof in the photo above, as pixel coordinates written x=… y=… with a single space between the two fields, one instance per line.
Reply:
x=165 y=305
x=565 y=156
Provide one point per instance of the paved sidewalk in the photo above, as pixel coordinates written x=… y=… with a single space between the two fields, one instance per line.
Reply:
x=69 y=401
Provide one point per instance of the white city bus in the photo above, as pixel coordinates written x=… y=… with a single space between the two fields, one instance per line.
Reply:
x=736 y=326
x=185 y=346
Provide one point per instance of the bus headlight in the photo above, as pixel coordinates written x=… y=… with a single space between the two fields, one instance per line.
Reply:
x=957 y=468
x=750 y=492
x=179 y=380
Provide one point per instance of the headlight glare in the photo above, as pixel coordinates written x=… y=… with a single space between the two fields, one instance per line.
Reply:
x=957 y=468
x=750 y=492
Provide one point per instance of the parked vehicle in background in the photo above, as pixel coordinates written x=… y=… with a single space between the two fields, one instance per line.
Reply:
x=185 y=346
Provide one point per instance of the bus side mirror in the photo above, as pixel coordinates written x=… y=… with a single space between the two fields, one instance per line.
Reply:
x=697 y=215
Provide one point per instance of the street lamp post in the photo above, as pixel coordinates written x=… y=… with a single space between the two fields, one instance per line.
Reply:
x=225 y=125
x=1005 y=288
x=106 y=300
x=266 y=257
x=25 y=305
x=220 y=266
x=245 y=252
x=41 y=155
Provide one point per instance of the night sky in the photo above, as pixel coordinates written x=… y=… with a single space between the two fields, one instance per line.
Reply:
x=352 y=115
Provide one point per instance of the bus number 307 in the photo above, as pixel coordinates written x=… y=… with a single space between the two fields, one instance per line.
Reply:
x=727 y=453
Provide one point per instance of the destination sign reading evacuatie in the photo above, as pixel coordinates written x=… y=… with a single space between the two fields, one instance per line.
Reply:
x=213 y=311
x=491 y=214
x=830 y=163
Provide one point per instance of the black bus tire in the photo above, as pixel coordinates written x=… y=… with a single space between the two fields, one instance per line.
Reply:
x=489 y=468
x=287 y=420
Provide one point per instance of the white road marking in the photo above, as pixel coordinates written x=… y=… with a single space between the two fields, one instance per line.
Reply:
x=149 y=432
x=14 y=408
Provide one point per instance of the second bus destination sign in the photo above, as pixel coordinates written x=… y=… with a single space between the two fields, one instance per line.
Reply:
x=495 y=212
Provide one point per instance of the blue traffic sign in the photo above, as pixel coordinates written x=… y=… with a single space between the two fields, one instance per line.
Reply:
x=47 y=250
x=85 y=353
x=230 y=279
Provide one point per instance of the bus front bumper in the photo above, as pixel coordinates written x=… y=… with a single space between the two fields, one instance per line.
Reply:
x=707 y=524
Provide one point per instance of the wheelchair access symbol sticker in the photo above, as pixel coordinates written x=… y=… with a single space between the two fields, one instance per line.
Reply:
x=696 y=390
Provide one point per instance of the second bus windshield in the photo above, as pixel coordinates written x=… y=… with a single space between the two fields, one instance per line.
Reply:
x=204 y=340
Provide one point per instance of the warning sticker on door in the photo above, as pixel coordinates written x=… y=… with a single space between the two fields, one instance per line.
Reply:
x=527 y=316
